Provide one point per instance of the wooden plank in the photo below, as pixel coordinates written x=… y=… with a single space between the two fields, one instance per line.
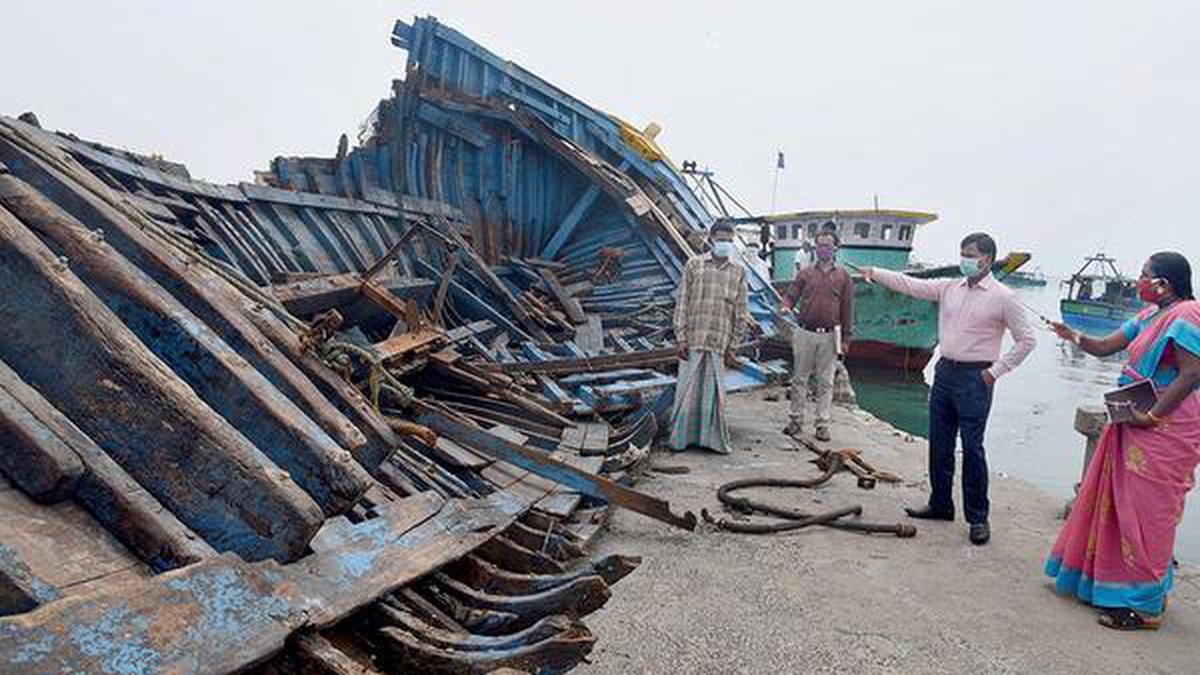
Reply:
x=62 y=545
x=140 y=412
x=239 y=613
x=33 y=457
x=563 y=501
x=590 y=335
x=198 y=356
x=256 y=335
x=573 y=437
x=114 y=499
x=497 y=286
x=565 y=299
x=408 y=343
x=596 y=441
x=443 y=288
x=313 y=654
x=457 y=455
x=537 y=462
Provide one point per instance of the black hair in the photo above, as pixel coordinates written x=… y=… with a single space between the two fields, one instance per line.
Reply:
x=981 y=241
x=721 y=225
x=837 y=241
x=1175 y=269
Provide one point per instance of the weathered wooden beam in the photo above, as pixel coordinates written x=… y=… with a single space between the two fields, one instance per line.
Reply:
x=569 y=304
x=479 y=620
x=110 y=494
x=537 y=462
x=406 y=653
x=139 y=411
x=548 y=543
x=407 y=344
x=206 y=294
x=480 y=574
x=496 y=285
x=479 y=306
x=305 y=297
x=313 y=654
x=33 y=458
x=21 y=590
x=465 y=642
x=576 y=598
x=505 y=554
x=238 y=614
x=220 y=376
x=439 y=301
x=589 y=364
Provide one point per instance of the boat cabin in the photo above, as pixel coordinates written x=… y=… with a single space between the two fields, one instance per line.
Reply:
x=874 y=237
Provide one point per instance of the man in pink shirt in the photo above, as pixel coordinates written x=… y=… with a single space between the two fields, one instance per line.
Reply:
x=973 y=313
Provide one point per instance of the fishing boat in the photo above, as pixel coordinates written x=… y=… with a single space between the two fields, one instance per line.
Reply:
x=1099 y=298
x=890 y=329
x=1033 y=279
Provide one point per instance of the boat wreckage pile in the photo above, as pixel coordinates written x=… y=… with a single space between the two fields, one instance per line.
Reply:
x=363 y=415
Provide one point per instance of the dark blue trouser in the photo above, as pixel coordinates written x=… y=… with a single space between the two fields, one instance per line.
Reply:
x=960 y=403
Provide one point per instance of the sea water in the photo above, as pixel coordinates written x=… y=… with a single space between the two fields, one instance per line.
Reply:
x=1031 y=433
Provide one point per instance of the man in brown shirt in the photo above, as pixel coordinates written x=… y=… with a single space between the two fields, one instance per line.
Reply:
x=822 y=299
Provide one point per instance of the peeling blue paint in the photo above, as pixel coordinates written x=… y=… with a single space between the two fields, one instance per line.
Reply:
x=117 y=639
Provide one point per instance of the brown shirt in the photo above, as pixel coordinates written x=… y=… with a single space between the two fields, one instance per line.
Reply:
x=823 y=299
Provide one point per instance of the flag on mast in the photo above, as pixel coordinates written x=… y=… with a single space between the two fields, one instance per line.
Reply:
x=779 y=161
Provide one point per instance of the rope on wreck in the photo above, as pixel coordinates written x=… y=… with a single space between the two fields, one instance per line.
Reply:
x=794 y=519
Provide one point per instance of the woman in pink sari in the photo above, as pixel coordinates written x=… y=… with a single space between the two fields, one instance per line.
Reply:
x=1116 y=549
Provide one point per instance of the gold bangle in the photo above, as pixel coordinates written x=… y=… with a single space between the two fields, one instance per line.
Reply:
x=1158 y=421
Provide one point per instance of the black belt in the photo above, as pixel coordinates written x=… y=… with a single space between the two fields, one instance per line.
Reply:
x=969 y=365
x=817 y=329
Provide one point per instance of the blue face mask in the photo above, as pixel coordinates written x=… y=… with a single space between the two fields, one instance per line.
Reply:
x=723 y=249
x=969 y=267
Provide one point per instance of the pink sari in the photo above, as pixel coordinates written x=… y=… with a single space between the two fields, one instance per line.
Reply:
x=1116 y=548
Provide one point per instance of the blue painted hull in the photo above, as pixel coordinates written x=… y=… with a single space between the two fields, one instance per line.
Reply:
x=1095 y=318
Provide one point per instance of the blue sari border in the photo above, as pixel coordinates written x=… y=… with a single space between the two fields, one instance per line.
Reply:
x=1146 y=597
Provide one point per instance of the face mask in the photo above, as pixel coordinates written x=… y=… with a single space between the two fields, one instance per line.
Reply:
x=825 y=253
x=1148 y=290
x=969 y=267
x=722 y=249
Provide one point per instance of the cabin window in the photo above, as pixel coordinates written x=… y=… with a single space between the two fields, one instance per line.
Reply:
x=797 y=231
x=862 y=230
x=905 y=232
x=886 y=231
x=781 y=232
x=812 y=229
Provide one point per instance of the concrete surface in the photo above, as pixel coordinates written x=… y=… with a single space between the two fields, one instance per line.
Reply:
x=823 y=601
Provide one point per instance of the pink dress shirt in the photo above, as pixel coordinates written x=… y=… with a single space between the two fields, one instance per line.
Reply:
x=971 y=319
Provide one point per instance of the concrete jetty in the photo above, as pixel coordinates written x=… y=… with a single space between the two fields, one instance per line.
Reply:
x=823 y=601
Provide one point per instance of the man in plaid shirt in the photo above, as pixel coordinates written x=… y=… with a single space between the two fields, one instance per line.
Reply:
x=711 y=314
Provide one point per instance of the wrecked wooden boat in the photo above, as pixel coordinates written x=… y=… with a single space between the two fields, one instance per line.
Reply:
x=362 y=415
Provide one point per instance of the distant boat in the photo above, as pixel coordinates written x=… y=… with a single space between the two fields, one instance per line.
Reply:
x=1032 y=279
x=1099 y=299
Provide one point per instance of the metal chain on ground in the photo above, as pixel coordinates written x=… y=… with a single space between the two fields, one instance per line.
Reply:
x=794 y=519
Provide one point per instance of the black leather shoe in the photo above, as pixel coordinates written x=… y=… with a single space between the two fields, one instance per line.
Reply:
x=980 y=534
x=927 y=513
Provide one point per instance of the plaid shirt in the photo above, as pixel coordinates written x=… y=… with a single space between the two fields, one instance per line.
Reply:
x=711 y=313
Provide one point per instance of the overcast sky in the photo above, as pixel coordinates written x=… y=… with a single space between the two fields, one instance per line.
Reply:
x=1061 y=127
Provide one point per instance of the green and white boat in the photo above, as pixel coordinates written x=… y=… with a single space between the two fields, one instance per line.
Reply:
x=890 y=329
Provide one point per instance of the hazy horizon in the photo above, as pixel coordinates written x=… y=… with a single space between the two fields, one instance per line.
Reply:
x=1062 y=128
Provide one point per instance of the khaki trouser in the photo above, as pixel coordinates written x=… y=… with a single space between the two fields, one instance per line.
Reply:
x=814 y=355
